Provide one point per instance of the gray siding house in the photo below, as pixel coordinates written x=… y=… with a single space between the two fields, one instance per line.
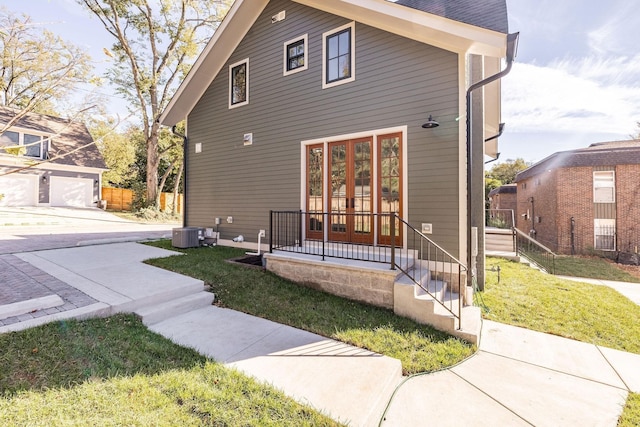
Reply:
x=345 y=111
x=48 y=161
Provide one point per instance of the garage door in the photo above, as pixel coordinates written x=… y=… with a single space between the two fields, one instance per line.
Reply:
x=19 y=190
x=76 y=192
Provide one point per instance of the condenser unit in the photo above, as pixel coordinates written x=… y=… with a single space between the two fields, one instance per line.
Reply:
x=186 y=237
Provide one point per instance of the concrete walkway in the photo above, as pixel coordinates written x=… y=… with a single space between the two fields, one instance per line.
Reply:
x=518 y=377
x=629 y=290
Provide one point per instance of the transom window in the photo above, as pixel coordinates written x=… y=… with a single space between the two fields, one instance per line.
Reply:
x=339 y=56
x=22 y=144
x=604 y=187
x=295 y=55
x=239 y=83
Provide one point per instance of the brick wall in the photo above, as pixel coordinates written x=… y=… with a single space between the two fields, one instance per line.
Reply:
x=575 y=199
x=537 y=198
x=628 y=204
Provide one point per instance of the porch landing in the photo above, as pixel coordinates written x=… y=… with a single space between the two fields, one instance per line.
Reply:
x=376 y=284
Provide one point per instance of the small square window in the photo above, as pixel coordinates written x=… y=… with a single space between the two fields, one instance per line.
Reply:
x=338 y=53
x=239 y=83
x=296 y=55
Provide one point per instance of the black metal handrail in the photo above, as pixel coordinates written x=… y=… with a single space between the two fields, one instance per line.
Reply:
x=536 y=252
x=427 y=265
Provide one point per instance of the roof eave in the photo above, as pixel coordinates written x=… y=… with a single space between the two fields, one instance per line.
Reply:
x=430 y=29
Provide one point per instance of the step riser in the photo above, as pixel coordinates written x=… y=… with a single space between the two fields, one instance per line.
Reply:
x=161 y=298
x=158 y=313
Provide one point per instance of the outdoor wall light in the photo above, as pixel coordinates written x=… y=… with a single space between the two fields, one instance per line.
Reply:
x=44 y=178
x=431 y=123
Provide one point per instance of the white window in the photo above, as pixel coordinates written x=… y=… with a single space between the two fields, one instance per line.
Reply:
x=605 y=234
x=604 y=190
x=296 y=55
x=23 y=144
x=239 y=83
x=338 y=56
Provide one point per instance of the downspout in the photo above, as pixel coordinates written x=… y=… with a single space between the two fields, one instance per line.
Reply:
x=185 y=151
x=512 y=42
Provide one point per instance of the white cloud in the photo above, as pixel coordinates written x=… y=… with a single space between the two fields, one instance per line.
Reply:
x=617 y=34
x=581 y=96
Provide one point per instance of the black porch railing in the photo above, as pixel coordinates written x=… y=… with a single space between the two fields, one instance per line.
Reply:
x=534 y=251
x=427 y=265
x=500 y=218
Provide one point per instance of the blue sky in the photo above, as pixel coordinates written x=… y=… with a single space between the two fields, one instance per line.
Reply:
x=576 y=79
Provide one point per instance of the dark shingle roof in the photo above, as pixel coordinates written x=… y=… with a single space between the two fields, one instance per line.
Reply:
x=66 y=137
x=600 y=154
x=489 y=14
x=504 y=189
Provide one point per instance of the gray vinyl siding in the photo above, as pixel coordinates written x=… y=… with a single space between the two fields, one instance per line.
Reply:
x=397 y=82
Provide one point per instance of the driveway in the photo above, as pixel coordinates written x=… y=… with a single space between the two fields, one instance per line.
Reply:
x=27 y=229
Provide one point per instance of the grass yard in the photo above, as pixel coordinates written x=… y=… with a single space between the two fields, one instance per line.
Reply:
x=115 y=372
x=594 y=268
x=420 y=348
x=541 y=302
x=631 y=413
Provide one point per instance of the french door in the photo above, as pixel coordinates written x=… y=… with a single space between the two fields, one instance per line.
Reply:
x=363 y=177
x=350 y=197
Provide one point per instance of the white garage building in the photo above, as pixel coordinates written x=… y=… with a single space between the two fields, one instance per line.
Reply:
x=48 y=161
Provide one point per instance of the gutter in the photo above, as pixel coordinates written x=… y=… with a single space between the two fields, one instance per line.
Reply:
x=512 y=44
x=185 y=151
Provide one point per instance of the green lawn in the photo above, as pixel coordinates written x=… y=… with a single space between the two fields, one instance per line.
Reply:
x=115 y=372
x=420 y=348
x=542 y=302
x=631 y=413
x=593 y=267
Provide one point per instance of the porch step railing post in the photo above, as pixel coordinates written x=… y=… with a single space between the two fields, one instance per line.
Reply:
x=271 y=231
x=392 y=231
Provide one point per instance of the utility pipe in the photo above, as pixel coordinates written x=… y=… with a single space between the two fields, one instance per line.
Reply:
x=185 y=151
x=512 y=43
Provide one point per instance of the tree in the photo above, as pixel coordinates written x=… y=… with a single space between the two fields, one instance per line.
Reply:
x=116 y=149
x=502 y=173
x=38 y=70
x=154 y=43
x=506 y=172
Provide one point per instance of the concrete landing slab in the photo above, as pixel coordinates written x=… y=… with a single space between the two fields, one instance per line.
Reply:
x=541 y=396
x=549 y=351
x=446 y=400
x=626 y=365
x=347 y=383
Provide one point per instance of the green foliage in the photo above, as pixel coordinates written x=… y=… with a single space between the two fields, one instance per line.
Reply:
x=592 y=267
x=631 y=413
x=419 y=347
x=118 y=153
x=506 y=172
x=38 y=70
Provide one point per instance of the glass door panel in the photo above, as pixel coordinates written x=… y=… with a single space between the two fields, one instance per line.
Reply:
x=315 y=192
x=390 y=180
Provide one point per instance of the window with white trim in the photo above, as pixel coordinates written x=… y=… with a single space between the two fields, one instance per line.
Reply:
x=338 y=56
x=604 y=190
x=604 y=234
x=23 y=144
x=239 y=83
x=296 y=53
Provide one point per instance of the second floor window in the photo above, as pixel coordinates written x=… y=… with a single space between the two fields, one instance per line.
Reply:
x=22 y=144
x=339 y=55
x=604 y=188
x=295 y=55
x=239 y=83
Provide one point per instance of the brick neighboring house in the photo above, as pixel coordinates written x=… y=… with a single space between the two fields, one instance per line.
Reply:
x=581 y=200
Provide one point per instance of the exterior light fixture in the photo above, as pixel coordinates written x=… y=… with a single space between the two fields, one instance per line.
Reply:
x=44 y=178
x=431 y=123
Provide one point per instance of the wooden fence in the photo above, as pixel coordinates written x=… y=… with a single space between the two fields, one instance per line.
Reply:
x=121 y=199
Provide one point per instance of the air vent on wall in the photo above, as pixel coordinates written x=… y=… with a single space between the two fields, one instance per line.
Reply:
x=279 y=17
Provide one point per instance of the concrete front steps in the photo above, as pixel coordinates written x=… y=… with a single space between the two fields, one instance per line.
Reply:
x=171 y=304
x=412 y=301
x=499 y=240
